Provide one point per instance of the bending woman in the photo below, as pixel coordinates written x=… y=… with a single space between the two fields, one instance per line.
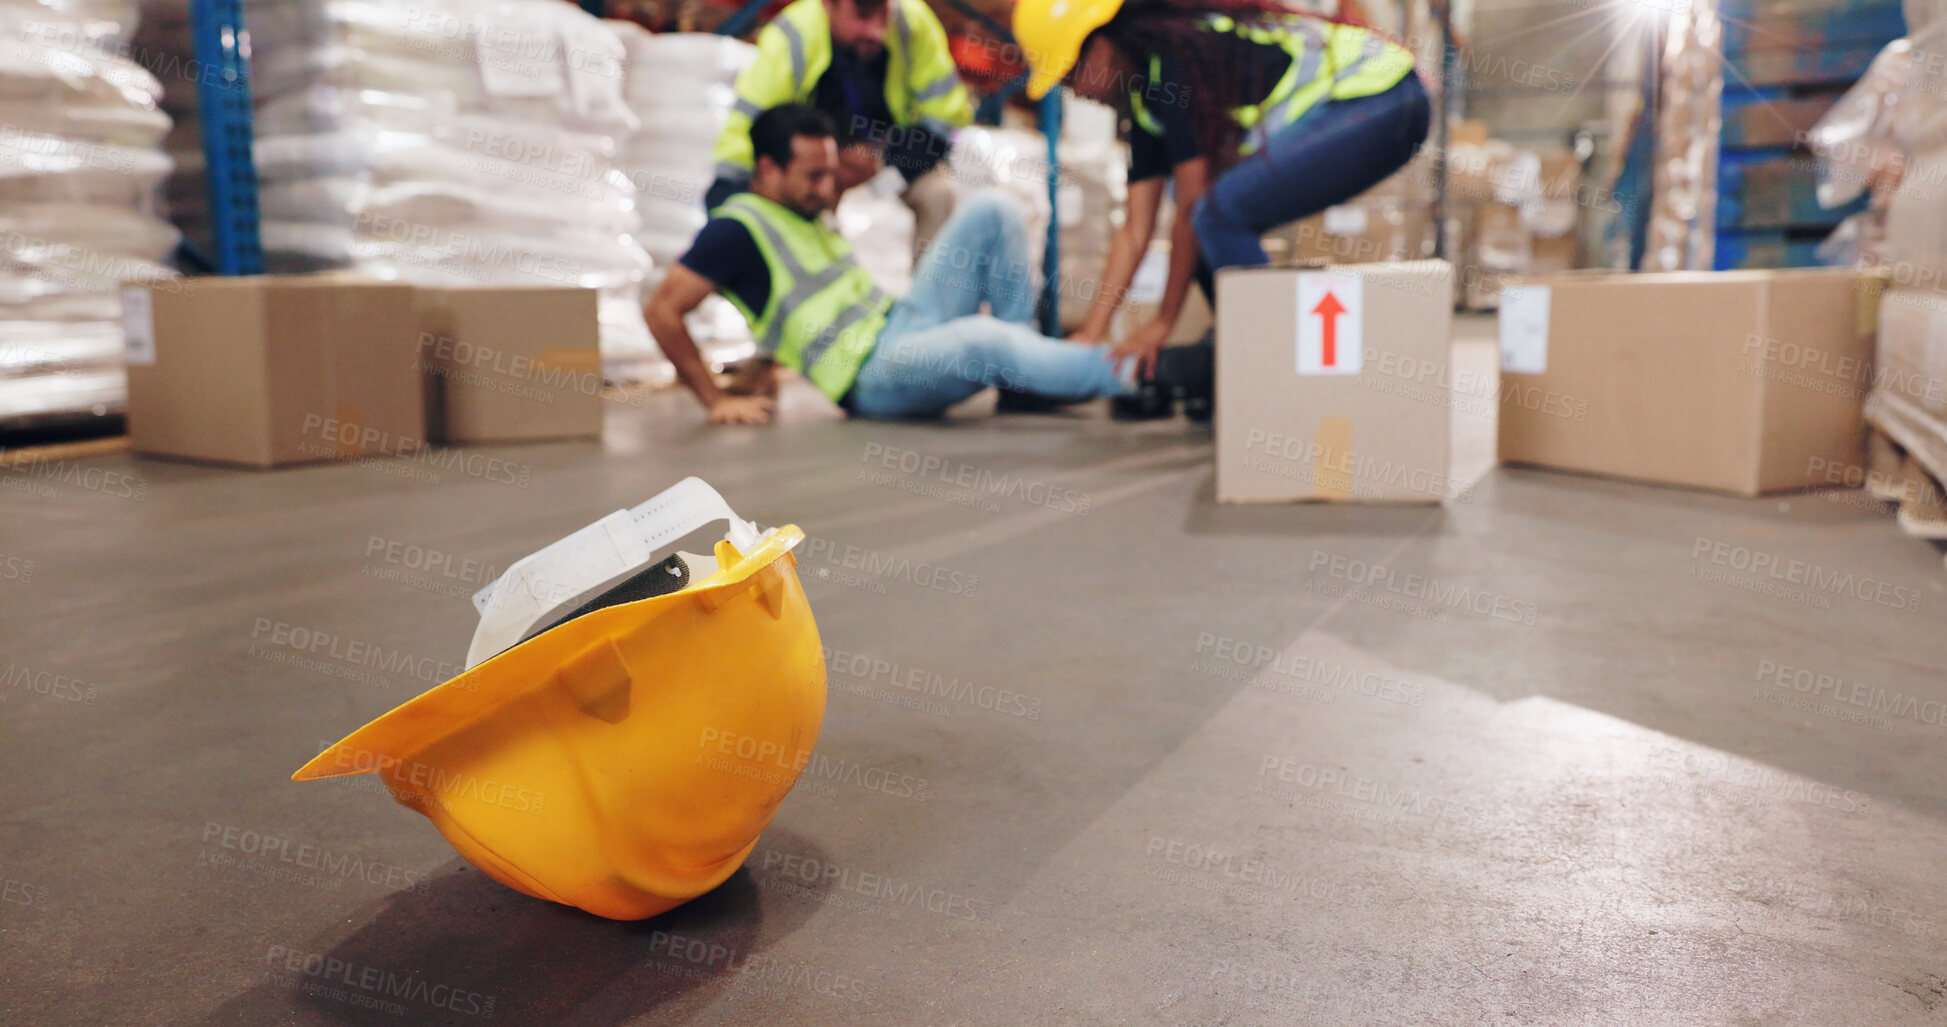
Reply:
x=1258 y=114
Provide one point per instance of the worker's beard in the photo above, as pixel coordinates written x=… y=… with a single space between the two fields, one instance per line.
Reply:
x=808 y=208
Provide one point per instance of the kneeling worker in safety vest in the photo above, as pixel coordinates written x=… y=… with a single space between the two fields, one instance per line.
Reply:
x=881 y=70
x=814 y=309
x=1258 y=114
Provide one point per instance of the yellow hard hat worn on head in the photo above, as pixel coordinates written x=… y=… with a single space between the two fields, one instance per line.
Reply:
x=629 y=720
x=1051 y=32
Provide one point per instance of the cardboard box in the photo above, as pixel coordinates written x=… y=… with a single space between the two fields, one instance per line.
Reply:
x=1843 y=62
x=1333 y=383
x=272 y=370
x=1469 y=133
x=1737 y=381
x=1772 y=194
x=1762 y=120
x=1527 y=222
x=510 y=363
x=1548 y=256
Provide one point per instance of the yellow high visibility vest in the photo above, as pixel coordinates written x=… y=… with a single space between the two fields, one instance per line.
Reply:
x=1342 y=62
x=922 y=85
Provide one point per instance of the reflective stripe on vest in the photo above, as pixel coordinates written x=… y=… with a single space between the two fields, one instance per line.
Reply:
x=1140 y=113
x=795 y=36
x=1343 y=61
x=824 y=313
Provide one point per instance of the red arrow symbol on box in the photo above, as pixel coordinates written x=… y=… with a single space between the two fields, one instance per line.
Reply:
x=1328 y=311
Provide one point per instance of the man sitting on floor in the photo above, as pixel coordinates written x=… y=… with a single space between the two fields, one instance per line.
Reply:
x=815 y=310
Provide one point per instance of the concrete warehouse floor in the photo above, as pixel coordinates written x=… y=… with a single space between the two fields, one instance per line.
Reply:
x=1585 y=805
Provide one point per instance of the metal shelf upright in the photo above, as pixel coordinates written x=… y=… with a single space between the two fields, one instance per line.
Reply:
x=223 y=99
x=1051 y=254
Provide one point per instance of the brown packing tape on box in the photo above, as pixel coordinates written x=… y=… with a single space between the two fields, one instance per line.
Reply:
x=1333 y=478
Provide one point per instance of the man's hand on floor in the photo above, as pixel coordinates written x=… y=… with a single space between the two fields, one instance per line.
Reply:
x=742 y=410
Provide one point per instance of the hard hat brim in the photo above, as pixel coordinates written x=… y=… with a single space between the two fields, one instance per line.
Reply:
x=1041 y=81
x=452 y=706
x=1053 y=38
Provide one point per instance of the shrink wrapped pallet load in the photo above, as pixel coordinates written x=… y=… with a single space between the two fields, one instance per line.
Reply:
x=80 y=166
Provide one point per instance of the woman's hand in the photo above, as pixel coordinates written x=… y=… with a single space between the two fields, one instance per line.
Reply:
x=1088 y=336
x=1143 y=343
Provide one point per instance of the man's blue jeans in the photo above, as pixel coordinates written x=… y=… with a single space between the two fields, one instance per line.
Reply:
x=938 y=349
x=1337 y=150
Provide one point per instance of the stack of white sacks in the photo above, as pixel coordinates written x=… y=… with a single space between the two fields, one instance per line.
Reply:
x=681 y=87
x=442 y=142
x=80 y=163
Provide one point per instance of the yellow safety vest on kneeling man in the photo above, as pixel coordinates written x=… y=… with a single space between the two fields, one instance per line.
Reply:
x=923 y=86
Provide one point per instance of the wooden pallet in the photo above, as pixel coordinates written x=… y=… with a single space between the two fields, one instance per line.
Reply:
x=1923 y=510
x=64 y=450
x=1897 y=474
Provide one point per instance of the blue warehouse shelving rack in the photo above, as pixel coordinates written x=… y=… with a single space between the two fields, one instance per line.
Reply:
x=223 y=98
x=1785 y=63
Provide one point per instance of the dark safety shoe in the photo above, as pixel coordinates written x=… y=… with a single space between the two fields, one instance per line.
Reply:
x=1014 y=401
x=1150 y=402
x=1189 y=373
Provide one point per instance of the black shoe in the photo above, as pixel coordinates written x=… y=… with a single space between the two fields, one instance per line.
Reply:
x=1014 y=401
x=1189 y=373
x=1150 y=402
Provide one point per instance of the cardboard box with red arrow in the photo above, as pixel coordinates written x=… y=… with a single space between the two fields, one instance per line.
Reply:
x=1334 y=383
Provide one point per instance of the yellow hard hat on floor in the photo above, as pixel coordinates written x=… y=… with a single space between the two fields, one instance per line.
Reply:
x=623 y=733
x=1051 y=33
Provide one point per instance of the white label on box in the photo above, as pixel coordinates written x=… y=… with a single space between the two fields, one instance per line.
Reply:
x=138 y=326
x=1345 y=219
x=519 y=56
x=1524 y=329
x=1331 y=323
x=595 y=58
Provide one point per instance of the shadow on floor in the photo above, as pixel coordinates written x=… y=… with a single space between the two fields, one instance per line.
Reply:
x=466 y=950
x=1286 y=520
